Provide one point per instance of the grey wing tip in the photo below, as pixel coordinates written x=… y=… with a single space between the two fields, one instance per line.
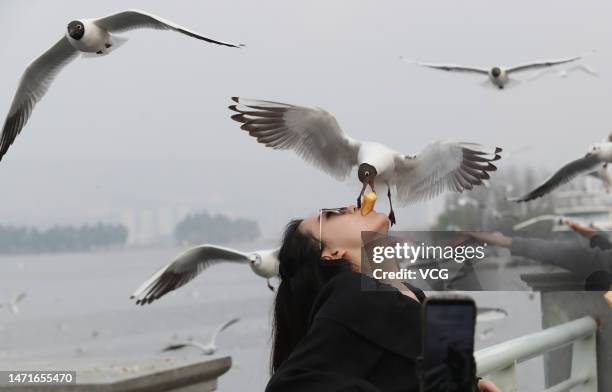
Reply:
x=519 y=199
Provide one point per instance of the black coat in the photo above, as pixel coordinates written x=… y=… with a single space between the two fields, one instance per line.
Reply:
x=363 y=336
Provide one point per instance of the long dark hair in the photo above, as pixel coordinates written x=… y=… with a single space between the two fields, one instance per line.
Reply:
x=302 y=273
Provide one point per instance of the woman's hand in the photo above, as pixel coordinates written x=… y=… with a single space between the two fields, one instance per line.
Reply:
x=580 y=229
x=492 y=238
x=487 y=386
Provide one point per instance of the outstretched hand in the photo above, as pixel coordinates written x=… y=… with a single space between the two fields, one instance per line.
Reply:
x=580 y=229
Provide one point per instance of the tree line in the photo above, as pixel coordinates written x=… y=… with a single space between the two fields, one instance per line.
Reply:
x=203 y=227
x=23 y=239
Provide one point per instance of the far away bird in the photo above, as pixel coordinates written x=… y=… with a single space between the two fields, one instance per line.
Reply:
x=85 y=36
x=499 y=76
x=485 y=315
x=207 y=349
x=315 y=135
x=13 y=303
x=192 y=262
x=595 y=160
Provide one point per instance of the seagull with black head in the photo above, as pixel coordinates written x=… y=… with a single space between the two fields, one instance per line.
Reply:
x=91 y=37
x=315 y=135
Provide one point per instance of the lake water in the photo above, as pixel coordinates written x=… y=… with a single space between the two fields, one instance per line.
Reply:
x=78 y=309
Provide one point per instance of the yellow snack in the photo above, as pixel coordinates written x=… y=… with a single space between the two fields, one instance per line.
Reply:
x=367 y=203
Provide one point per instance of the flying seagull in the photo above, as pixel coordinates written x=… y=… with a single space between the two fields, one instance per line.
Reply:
x=596 y=159
x=12 y=304
x=192 y=262
x=315 y=135
x=85 y=36
x=485 y=315
x=208 y=349
x=541 y=218
x=498 y=75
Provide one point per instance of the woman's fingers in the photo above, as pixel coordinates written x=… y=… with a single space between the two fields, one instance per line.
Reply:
x=487 y=386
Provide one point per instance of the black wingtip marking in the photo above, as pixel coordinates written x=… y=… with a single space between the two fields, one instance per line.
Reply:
x=498 y=150
x=236 y=99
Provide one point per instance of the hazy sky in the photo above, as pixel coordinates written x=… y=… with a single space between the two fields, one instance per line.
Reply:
x=148 y=125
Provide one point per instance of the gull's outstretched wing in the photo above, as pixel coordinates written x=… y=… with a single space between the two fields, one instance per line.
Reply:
x=312 y=133
x=449 y=67
x=34 y=83
x=213 y=338
x=20 y=297
x=134 y=19
x=584 y=165
x=443 y=166
x=484 y=315
x=183 y=269
x=178 y=346
x=542 y=64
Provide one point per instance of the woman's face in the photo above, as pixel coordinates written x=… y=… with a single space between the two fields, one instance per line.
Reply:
x=342 y=232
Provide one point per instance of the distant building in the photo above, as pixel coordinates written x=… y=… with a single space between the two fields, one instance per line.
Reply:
x=588 y=204
x=152 y=226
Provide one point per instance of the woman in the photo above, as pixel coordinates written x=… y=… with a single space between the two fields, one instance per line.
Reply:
x=334 y=328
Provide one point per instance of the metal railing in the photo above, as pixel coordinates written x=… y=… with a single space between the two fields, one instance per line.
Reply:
x=498 y=363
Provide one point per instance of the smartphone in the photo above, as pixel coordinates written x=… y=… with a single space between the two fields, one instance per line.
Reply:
x=447 y=361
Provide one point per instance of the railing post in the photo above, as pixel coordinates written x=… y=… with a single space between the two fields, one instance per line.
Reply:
x=584 y=361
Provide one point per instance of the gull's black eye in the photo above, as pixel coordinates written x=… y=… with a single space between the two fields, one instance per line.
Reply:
x=79 y=27
x=367 y=174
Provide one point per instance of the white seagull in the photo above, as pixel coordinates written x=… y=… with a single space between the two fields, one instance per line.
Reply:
x=314 y=134
x=86 y=36
x=207 y=349
x=13 y=303
x=498 y=75
x=192 y=262
x=485 y=315
x=541 y=218
x=595 y=160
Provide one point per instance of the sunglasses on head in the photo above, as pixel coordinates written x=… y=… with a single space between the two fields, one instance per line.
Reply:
x=325 y=213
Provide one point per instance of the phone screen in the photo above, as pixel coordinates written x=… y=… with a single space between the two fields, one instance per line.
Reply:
x=448 y=345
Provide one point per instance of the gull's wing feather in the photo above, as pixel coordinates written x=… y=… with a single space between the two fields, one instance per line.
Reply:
x=20 y=297
x=134 y=19
x=567 y=173
x=178 y=346
x=213 y=338
x=183 y=269
x=442 y=166
x=312 y=133
x=449 y=67
x=542 y=64
x=33 y=85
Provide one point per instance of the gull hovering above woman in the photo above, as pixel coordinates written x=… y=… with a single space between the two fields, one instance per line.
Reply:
x=192 y=262
x=85 y=36
x=499 y=76
x=315 y=135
